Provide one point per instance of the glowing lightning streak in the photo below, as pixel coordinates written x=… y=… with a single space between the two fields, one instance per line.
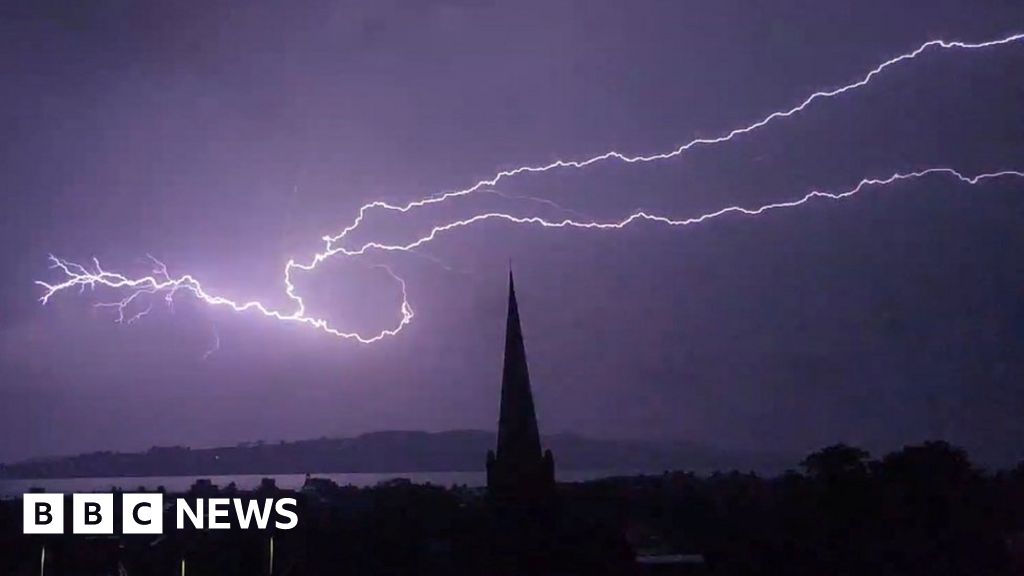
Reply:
x=641 y=215
x=825 y=94
x=331 y=250
x=216 y=344
x=77 y=275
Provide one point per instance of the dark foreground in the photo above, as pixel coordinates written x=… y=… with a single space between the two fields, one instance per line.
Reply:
x=923 y=510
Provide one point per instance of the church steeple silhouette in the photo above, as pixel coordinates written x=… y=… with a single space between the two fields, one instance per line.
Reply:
x=518 y=470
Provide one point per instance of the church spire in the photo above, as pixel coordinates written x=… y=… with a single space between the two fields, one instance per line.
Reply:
x=517 y=423
x=518 y=470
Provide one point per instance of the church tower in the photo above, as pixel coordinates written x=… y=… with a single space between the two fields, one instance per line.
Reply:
x=518 y=470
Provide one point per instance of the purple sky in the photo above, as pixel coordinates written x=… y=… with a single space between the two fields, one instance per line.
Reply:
x=224 y=138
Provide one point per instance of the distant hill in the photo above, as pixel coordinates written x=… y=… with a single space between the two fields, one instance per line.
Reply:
x=391 y=452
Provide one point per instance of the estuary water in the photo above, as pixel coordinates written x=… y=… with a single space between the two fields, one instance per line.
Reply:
x=14 y=488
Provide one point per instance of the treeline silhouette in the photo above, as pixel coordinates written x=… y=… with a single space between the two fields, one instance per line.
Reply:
x=922 y=510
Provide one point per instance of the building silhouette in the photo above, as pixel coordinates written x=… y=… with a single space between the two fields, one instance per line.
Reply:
x=518 y=470
x=530 y=525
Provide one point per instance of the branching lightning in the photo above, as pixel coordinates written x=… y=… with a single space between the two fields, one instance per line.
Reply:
x=159 y=282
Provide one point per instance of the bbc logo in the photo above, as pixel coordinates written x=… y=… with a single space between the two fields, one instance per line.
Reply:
x=144 y=513
x=93 y=513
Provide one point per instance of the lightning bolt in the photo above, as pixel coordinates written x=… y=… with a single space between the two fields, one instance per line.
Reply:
x=216 y=344
x=160 y=282
x=77 y=275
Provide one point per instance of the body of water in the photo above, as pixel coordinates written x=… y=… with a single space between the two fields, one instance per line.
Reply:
x=15 y=488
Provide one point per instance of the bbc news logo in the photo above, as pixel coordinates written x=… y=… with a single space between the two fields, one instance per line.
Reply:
x=144 y=513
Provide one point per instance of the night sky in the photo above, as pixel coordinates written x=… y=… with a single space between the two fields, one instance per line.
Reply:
x=225 y=138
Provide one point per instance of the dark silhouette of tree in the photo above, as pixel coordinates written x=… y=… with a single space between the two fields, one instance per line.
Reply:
x=837 y=462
